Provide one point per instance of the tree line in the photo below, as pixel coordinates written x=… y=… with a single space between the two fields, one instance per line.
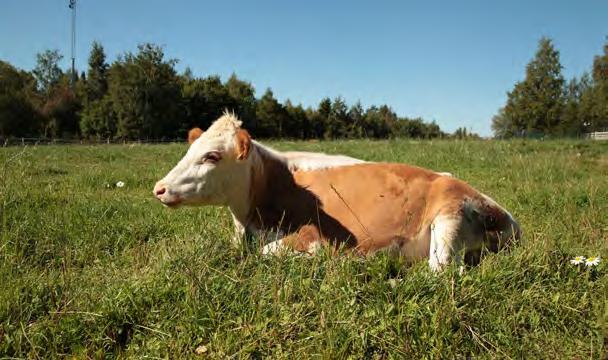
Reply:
x=141 y=96
x=545 y=104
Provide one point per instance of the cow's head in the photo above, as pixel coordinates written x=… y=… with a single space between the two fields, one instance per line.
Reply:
x=213 y=167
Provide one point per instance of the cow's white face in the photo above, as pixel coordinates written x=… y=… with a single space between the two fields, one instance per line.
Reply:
x=209 y=172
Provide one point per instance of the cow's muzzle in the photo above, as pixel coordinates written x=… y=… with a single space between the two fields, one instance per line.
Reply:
x=162 y=193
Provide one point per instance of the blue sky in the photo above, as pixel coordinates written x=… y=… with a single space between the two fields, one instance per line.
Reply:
x=448 y=61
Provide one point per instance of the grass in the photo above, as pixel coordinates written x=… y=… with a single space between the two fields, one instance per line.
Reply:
x=95 y=271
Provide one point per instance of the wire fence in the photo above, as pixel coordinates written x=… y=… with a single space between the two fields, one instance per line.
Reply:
x=598 y=135
x=13 y=141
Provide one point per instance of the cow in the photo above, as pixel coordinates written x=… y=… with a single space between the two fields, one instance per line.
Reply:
x=362 y=208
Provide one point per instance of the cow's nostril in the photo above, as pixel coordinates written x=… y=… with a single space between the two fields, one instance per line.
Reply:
x=161 y=191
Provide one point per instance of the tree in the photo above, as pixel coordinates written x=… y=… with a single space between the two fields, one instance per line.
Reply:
x=270 y=115
x=98 y=119
x=97 y=74
x=61 y=104
x=463 y=134
x=535 y=104
x=204 y=101
x=336 y=121
x=145 y=94
x=380 y=122
x=433 y=131
x=357 y=125
x=573 y=116
x=243 y=96
x=297 y=124
x=47 y=71
x=61 y=110
x=597 y=116
x=18 y=98
x=319 y=118
x=502 y=126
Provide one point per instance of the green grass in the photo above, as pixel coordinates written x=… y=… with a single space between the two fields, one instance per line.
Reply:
x=91 y=270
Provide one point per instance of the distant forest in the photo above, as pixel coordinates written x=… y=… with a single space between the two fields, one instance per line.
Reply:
x=141 y=96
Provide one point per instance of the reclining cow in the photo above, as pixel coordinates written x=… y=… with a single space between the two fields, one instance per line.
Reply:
x=296 y=161
x=364 y=207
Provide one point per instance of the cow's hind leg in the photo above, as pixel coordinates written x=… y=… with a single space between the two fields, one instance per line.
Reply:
x=445 y=241
x=277 y=247
x=306 y=240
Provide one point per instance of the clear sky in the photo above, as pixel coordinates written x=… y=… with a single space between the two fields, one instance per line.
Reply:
x=449 y=61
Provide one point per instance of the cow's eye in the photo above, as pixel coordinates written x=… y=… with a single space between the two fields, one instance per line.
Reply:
x=212 y=157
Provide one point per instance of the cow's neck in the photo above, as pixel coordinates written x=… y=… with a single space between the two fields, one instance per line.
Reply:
x=270 y=193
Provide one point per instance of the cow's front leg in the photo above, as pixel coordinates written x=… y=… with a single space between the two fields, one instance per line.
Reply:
x=445 y=242
x=306 y=240
x=239 y=232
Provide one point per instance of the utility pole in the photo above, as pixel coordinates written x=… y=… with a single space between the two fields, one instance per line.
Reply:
x=72 y=6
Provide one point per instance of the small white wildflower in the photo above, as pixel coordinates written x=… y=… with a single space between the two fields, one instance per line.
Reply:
x=200 y=350
x=120 y=184
x=392 y=283
x=593 y=261
x=577 y=260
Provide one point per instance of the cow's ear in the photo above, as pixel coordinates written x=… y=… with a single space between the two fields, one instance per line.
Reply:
x=243 y=144
x=194 y=134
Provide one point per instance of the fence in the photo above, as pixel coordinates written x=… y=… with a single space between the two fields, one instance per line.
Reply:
x=47 y=141
x=598 y=135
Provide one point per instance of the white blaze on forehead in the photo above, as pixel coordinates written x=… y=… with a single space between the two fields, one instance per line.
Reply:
x=220 y=136
x=224 y=127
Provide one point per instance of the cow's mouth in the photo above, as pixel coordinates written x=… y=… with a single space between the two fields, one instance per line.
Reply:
x=172 y=202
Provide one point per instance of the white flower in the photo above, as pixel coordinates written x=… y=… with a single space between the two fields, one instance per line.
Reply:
x=120 y=184
x=577 y=260
x=593 y=261
x=200 y=350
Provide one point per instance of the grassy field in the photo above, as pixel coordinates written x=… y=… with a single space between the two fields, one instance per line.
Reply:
x=88 y=269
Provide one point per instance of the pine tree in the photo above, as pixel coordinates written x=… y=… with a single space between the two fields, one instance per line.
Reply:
x=98 y=118
x=97 y=74
x=270 y=116
x=296 y=124
x=598 y=117
x=357 y=126
x=337 y=122
x=243 y=96
x=536 y=103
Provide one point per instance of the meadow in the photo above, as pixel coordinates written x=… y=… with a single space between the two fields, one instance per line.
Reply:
x=92 y=270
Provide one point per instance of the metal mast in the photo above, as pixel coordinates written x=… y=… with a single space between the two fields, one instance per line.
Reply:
x=72 y=6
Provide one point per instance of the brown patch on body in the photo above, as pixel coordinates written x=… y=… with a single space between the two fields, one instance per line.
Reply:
x=365 y=207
